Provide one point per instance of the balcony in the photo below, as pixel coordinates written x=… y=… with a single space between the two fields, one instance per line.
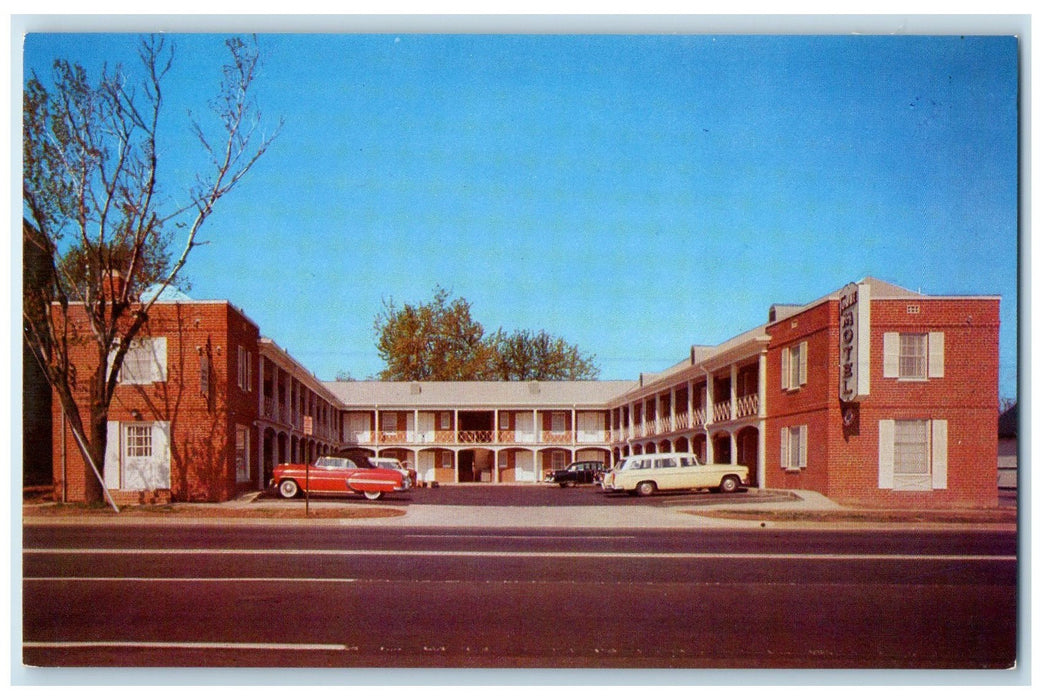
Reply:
x=475 y=437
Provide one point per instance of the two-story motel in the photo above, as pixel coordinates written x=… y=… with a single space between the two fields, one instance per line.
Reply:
x=872 y=394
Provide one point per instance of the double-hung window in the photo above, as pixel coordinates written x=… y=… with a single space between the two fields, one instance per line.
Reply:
x=794 y=366
x=245 y=369
x=794 y=447
x=913 y=356
x=913 y=454
x=145 y=362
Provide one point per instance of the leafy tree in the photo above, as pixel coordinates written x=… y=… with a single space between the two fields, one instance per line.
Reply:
x=100 y=220
x=525 y=355
x=436 y=341
x=440 y=341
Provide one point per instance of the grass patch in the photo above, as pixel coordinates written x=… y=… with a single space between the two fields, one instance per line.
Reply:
x=864 y=516
x=74 y=510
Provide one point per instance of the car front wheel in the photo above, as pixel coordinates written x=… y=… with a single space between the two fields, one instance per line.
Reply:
x=288 y=488
x=374 y=495
x=729 y=484
x=645 y=488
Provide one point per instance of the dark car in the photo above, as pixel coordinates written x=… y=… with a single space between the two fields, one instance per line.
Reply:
x=579 y=473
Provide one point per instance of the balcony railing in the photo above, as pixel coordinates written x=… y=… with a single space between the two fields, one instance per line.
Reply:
x=748 y=405
x=476 y=437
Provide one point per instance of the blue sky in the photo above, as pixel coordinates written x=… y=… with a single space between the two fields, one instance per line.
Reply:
x=634 y=195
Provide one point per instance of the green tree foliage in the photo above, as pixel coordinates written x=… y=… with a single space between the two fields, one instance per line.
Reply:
x=525 y=355
x=436 y=341
x=440 y=341
x=99 y=216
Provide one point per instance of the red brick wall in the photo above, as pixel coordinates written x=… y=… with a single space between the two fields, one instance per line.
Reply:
x=202 y=437
x=843 y=462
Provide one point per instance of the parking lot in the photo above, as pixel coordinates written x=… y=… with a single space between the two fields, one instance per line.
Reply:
x=551 y=495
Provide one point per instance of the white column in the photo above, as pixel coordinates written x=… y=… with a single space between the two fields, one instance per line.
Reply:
x=710 y=418
x=734 y=393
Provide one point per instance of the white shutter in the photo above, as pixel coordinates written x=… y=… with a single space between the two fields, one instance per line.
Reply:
x=936 y=355
x=161 y=453
x=886 y=454
x=158 y=364
x=803 y=446
x=891 y=354
x=113 y=449
x=939 y=453
x=785 y=369
x=785 y=447
x=803 y=363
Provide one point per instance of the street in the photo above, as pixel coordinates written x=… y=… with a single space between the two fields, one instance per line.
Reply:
x=328 y=596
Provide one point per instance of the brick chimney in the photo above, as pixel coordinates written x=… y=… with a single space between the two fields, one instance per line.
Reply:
x=112 y=285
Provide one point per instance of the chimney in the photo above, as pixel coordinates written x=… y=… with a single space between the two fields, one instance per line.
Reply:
x=112 y=285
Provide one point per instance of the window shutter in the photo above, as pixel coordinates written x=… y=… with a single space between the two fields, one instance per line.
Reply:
x=785 y=448
x=936 y=355
x=939 y=453
x=803 y=363
x=158 y=369
x=160 y=455
x=886 y=454
x=891 y=354
x=785 y=369
x=803 y=447
x=112 y=452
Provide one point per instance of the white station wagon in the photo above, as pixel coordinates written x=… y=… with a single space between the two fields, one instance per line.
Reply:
x=672 y=471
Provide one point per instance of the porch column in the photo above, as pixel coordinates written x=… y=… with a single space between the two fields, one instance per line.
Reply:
x=761 y=382
x=761 y=453
x=673 y=407
x=734 y=448
x=710 y=418
x=734 y=394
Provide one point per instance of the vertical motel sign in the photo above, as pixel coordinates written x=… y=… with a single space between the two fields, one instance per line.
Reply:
x=854 y=336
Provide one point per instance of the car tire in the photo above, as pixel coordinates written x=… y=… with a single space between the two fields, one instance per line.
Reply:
x=645 y=488
x=729 y=484
x=373 y=495
x=288 y=488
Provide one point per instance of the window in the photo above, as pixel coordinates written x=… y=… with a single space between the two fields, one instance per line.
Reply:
x=444 y=420
x=389 y=422
x=557 y=422
x=145 y=362
x=794 y=447
x=138 y=440
x=913 y=454
x=242 y=453
x=794 y=366
x=557 y=459
x=913 y=356
x=245 y=369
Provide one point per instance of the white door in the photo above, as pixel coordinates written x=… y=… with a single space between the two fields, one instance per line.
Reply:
x=144 y=456
x=591 y=427
x=426 y=427
x=358 y=427
x=524 y=466
x=425 y=467
x=524 y=427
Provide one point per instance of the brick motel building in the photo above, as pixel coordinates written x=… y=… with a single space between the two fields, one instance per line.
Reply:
x=872 y=395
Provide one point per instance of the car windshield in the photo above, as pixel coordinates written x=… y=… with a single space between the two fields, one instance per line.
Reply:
x=334 y=463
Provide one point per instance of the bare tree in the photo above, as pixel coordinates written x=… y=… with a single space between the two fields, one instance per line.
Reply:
x=101 y=223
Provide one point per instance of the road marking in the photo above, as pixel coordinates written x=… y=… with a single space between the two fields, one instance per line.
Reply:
x=189 y=579
x=519 y=554
x=525 y=537
x=189 y=645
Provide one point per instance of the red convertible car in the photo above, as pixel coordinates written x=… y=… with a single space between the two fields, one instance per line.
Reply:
x=338 y=475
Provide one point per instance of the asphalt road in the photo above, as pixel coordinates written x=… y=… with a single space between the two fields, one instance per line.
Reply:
x=354 y=597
